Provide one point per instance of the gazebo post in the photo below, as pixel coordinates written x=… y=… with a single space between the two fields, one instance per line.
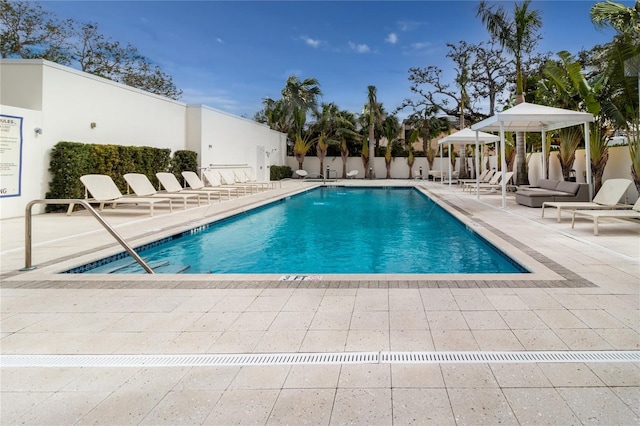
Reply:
x=544 y=153
x=477 y=166
x=587 y=160
x=503 y=166
x=450 y=172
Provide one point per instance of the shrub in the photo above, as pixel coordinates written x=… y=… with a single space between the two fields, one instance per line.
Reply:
x=184 y=160
x=70 y=160
x=280 y=172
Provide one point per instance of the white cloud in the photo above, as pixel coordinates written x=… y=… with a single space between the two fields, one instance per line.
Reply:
x=360 y=48
x=391 y=38
x=408 y=25
x=219 y=40
x=421 y=45
x=311 y=41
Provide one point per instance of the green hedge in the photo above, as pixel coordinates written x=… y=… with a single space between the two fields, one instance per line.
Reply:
x=184 y=161
x=70 y=160
x=280 y=172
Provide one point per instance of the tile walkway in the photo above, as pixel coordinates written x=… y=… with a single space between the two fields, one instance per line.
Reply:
x=585 y=296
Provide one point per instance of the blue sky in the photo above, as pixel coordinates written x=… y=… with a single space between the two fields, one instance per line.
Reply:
x=230 y=55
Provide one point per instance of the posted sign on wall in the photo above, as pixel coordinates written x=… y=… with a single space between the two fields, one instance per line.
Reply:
x=10 y=155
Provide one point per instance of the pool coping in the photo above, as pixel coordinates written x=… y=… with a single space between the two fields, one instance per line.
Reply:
x=544 y=272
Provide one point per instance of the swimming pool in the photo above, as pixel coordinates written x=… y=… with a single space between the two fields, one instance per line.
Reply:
x=327 y=230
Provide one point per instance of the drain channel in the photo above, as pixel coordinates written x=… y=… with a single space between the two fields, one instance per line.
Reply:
x=203 y=360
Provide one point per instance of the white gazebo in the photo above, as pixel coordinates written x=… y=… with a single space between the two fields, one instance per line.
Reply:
x=467 y=137
x=527 y=117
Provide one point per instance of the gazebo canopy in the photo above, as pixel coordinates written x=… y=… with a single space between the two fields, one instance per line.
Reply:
x=468 y=136
x=527 y=117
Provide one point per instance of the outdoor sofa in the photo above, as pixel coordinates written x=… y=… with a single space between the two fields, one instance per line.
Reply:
x=548 y=190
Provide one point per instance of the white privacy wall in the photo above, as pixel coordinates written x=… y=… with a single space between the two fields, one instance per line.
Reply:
x=223 y=139
x=69 y=105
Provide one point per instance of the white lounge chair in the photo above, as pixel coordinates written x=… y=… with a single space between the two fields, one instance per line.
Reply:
x=104 y=191
x=351 y=174
x=249 y=177
x=142 y=187
x=170 y=183
x=484 y=177
x=492 y=187
x=608 y=197
x=195 y=183
x=301 y=173
x=241 y=178
x=214 y=181
x=494 y=180
x=596 y=215
x=227 y=178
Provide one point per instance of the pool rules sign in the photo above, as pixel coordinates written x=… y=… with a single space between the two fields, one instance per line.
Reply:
x=10 y=155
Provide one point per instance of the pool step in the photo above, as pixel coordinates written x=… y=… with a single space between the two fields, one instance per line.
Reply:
x=160 y=266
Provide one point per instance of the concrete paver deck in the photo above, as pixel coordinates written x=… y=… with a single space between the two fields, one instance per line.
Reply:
x=586 y=297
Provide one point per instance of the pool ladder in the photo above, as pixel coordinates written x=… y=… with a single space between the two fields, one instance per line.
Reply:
x=27 y=232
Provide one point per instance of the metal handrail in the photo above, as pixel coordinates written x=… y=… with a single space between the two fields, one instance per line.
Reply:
x=27 y=229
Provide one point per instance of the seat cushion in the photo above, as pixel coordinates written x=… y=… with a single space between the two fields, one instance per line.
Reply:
x=548 y=183
x=568 y=187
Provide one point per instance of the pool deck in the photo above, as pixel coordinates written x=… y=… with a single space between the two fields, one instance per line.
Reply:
x=584 y=295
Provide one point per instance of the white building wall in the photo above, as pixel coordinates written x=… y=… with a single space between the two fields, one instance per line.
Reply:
x=227 y=140
x=64 y=103
x=34 y=164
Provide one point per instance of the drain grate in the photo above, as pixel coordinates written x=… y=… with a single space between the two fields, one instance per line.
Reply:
x=203 y=360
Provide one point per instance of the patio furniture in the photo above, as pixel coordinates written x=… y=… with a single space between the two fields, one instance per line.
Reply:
x=608 y=197
x=596 y=215
x=104 y=191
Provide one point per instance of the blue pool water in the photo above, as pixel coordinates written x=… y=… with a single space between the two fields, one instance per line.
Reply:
x=333 y=230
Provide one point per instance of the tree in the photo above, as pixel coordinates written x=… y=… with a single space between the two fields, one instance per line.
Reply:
x=299 y=97
x=573 y=86
x=346 y=135
x=623 y=70
x=489 y=73
x=391 y=135
x=518 y=35
x=411 y=159
x=302 y=143
x=30 y=32
x=617 y=16
x=301 y=94
x=372 y=109
x=430 y=127
x=325 y=128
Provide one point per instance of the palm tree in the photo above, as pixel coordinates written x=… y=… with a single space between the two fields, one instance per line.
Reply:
x=411 y=159
x=570 y=138
x=302 y=143
x=516 y=35
x=301 y=94
x=618 y=16
x=623 y=71
x=391 y=135
x=374 y=117
x=572 y=83
x=345 y=133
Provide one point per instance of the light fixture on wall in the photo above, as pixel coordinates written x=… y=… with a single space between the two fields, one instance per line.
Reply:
x=38 y=131
x=93 y=125
x=210 y=146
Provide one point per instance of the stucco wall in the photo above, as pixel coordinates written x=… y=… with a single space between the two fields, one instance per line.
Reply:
x=618 y=166
x=228 y=139
x=69 y=105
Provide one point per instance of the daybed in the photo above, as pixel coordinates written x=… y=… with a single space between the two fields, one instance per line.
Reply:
x=548 y=190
